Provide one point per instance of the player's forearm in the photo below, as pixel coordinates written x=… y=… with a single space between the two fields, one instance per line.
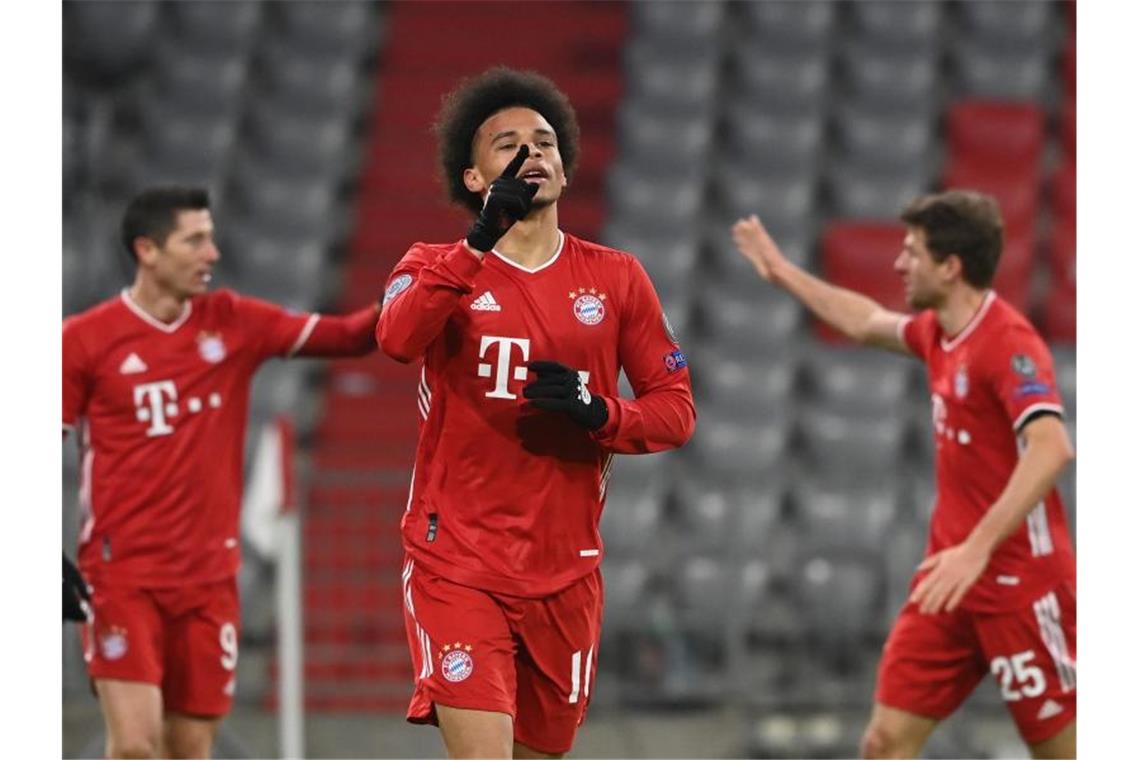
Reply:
x=416 y=317
x=845 y=310
x=348 y=335
x=1033 y=477
x=656 y=421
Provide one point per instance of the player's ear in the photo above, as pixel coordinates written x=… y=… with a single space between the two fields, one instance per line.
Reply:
x=473 y=180
x=951 y=266
x=145 y=250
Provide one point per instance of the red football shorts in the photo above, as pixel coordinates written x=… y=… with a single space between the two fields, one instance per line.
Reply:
x=533 y=659
x=183 y=639
x=931 y=663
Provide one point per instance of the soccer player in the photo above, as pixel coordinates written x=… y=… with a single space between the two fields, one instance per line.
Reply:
x=522 y=329
x=160 y=377
x=996 y=590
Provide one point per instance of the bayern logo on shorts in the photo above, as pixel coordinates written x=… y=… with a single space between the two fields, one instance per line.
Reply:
x=589 y=309
x=113 y=644
x=457 y=665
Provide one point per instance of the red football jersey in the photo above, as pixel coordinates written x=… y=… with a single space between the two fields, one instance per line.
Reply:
x=164 y=408
x=504 y=497
x=985 y=383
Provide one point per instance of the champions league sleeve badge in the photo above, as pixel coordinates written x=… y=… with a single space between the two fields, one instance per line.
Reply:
x=456 y=663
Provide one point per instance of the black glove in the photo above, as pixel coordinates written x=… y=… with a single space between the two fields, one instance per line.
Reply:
x=76 y=595
x=560 y=389
x=508 y=201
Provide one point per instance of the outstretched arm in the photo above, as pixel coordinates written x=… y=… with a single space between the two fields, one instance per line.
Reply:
x=853 y=314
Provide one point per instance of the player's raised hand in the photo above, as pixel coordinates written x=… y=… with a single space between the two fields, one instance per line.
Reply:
x=757 y=246
x=508 y=201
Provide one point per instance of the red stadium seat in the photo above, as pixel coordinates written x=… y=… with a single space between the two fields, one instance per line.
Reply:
x=1063 y=192
x=860 y=256
x=1063 y=252
x=1069 y=66
x=1060 y=317
x=1014 y=278
x=1068 y=127
x=1017 y=193
x=1011 y=134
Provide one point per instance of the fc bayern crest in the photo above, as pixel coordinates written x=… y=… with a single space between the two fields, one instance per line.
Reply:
x=113 y=644
x=457 y=665
x=211 y=348
x=961 y=383
x=589 y=306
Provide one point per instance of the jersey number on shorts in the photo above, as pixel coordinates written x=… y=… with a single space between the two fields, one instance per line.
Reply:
x=227 y=637
x=1016 y=668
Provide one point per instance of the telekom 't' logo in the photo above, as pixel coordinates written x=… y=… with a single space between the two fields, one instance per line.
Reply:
x=154 y=403
x=503 y=369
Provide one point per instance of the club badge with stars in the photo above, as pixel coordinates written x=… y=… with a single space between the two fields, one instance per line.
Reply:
x=589 y=305
x=456 y=662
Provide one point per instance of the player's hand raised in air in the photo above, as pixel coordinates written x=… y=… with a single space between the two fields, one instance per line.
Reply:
x=508 y=201
x=757 y=246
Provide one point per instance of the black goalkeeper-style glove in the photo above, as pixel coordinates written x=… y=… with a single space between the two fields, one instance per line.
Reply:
x=76 y=596
x=560 y=389
x=508 y=201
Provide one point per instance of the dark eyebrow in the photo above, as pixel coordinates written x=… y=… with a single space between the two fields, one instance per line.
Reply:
x=514 y=133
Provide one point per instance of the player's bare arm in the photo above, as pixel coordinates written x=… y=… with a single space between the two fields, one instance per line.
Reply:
x=953 y=571
x=855 y=315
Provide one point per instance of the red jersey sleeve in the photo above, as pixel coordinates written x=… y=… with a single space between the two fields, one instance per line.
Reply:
x=920 y=333
x=662 y=415
x=76 y=375
x=421 y=294
x=1020 y=370
x=286 y=333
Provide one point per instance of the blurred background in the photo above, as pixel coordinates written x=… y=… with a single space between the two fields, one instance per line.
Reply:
x=751 y=576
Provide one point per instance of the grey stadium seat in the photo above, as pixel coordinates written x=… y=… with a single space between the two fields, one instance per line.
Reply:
x=859 y=379
x=834 y=515
x=322 y=86
x=680 y=142
x=748 y=325
x=691 y=19
x=684 y=79
x=633 y=518
x=782 y=143
x=728 y=518
x=1065 y=369
x=627 y=583
x=892 y=81
x=793 y=81
x=291 y=204
x=782 y=200
x=669 y=256
x=723 y=447
x=891 y=23
x=1001 y=70
x=866 y=192
x=853 y=442
x=230 y=26
x=804 y=24
x=1012 y=20
x=214 y=82
x=300 y=145
x=704 y=590
x=868 y=136
x=751 y=384
x=841 y=597
x=636 y=197
x=108 y=41
x=328 y=28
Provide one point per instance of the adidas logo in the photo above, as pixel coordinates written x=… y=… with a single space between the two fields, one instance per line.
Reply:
x=1049 y=709
x=486 y=302
x=132 y=365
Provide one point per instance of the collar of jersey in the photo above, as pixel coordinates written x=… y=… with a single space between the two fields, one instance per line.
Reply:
x=158 y=325
x=554 y=258
x=950 y=345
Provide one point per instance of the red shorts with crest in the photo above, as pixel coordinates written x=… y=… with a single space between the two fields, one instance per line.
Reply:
x=533 y=659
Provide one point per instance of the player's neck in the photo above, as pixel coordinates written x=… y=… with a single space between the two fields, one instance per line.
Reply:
x=155 y=300
x=961 y=305
x=533 y=241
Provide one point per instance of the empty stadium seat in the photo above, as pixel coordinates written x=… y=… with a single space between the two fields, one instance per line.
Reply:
x=750 y=383
x=687 y=19
x=873 y=192
x=788 y=82
x=748 y=325
x=220 y=27
x=853 y=442
x=996 y=133
x=781 y=200
x=842 y=598
x=780 y=143
x=334 y=28
x=1060 y=319
x=806 y=24
x=888 y=23
x=107 y=43
x=637 y=197
x=867 y=136
x=904 y=81
x=1014 y=20
x=684 y=80
x=859 y=379
x=633 y=518
x=674 y=143
x=1001 y=69
x=725 y=448
x=1063 y=192
x=213 y=82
